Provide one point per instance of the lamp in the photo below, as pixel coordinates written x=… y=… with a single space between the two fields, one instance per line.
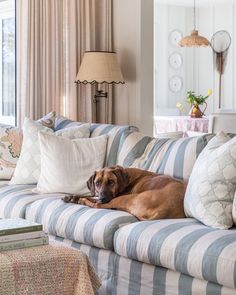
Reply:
x=194 y=39
x=99 y=67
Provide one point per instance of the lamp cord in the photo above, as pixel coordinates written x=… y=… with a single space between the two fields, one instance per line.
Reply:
x=194 y=14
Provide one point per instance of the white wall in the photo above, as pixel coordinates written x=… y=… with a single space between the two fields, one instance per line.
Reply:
x=133 y=41
x=198 y=71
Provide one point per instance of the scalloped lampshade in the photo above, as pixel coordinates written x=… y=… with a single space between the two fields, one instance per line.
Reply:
x=100 y=67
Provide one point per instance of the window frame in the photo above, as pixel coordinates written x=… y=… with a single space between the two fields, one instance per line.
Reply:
x=6 y=13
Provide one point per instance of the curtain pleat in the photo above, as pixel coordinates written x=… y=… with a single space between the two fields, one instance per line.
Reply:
x=52 y=36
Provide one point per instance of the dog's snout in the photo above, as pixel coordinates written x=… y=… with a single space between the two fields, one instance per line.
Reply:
x=103 y=200
x=104 y=196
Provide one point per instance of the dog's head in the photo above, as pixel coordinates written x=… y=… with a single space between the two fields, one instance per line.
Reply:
x=108 y=183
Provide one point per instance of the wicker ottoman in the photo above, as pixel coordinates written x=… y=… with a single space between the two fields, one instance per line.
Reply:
x=47 y=270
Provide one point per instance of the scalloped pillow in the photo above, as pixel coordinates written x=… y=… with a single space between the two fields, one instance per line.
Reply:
x=211 y=187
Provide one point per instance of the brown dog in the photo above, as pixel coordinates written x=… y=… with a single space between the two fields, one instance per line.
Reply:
x=144 y=194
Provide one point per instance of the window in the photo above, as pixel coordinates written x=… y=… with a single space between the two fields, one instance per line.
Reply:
x=7 y=62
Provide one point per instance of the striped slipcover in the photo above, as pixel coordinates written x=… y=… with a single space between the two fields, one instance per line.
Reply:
x=203 y=253
x=182 y=245
x=123 y=276
x=94 y=227
x=114 y=133
x=174 y=157
x=14 y=199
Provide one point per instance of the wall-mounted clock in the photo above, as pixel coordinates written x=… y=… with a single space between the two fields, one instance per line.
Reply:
x=175 y=84
x=174 y=37
x=175 y=60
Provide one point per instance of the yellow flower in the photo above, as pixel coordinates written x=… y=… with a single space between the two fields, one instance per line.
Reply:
x=179 y=105
x=209 y=92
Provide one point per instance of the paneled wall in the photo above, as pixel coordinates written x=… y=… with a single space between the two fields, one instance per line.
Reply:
x=133 y=41
x=197 y=70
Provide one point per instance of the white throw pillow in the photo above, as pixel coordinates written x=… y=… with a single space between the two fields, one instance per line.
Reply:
x=28 y=166
x=10 y=145
x=66 y=165
x=82 y=131
x=212 y=184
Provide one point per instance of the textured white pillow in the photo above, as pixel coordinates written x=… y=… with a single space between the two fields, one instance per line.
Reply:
x=81 y=131
x=28 y=166
x=212 y=184
x=66 y=165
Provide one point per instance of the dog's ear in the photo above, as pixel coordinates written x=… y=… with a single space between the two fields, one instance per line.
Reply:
x=122 y=178
x=91 y=185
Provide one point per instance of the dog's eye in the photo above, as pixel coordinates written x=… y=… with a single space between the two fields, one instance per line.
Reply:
x=110 y=182
x=98 y=183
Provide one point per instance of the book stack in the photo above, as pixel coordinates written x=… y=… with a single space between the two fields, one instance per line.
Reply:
x=21 y=233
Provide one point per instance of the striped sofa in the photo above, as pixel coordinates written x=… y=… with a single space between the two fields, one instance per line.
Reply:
x=134 y=257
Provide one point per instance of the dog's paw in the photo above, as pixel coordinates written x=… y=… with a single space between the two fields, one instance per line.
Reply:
x=88 y=202
x=67 y=199
x=81 y=201
x=71 y=199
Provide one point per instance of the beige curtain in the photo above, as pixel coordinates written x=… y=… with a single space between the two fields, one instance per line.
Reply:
x=52 y=36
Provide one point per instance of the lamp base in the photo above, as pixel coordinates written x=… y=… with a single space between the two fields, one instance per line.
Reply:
x=99 y=94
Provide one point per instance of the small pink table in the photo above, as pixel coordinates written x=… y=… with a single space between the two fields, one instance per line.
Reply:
x=163 y=124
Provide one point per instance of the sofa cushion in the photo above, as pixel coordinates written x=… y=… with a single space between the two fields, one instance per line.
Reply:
x=15 y=198
x=183 y=245
x=114 y=133
x=94 y=227
x=174 y=157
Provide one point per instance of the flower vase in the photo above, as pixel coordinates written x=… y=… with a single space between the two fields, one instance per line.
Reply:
x=196 y=112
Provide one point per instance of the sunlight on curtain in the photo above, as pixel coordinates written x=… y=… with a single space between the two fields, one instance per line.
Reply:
x=53 y=36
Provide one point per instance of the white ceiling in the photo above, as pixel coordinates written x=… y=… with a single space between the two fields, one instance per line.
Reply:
x=199 y=3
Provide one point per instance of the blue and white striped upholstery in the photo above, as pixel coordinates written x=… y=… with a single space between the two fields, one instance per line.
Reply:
x=174 y=157
x=62 y=122
x=14 y=199
x=183 y=245
x=123 y=276
x=95 y=227
x=114 y=133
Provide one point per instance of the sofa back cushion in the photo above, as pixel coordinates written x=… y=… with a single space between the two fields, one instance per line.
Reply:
x=113 y=132
x=174 y=157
